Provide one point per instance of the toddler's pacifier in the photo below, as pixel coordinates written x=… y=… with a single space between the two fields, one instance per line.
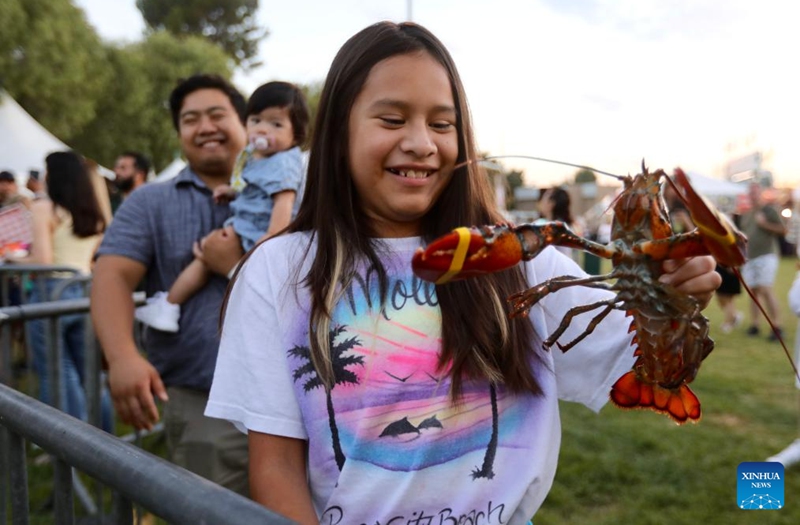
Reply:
x=259 y=143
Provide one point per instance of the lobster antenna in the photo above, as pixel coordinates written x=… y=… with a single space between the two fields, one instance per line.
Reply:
x=542 y=159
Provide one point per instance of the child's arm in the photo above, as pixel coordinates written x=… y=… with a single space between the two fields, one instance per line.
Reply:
x=278 y=476
x=189 y=282
x=281 y=213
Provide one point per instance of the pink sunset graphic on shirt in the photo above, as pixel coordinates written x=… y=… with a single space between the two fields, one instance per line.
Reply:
x=390 y=404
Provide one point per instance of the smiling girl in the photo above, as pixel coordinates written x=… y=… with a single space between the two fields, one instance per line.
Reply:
x=368 y=395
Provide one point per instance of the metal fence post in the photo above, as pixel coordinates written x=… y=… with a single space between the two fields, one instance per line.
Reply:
x=18 y=478
x=5 y=477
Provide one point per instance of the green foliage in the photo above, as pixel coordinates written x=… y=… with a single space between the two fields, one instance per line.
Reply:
x=585 y=176
x=134 y=110
x=12 y=31
x=312 y=92
x=230 y=24
x=122 y=110
x=57 y=70
x=514 y=180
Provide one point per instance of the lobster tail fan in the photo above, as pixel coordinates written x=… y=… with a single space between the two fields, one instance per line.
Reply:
x=679 y=403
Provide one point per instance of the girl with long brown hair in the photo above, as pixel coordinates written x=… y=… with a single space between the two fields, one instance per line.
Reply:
x=368 y=395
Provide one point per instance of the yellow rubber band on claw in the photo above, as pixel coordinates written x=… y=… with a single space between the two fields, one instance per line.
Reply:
x=728 y=239
x=458 y=257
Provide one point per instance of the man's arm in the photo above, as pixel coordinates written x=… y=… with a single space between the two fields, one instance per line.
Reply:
x=770 y=220
x=132 y=379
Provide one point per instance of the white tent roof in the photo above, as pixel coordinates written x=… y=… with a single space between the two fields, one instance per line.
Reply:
x=25 y=142
x=710 y=187
x=171 y=170
x=178 y=164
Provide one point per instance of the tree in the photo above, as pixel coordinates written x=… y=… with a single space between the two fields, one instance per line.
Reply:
x=312 y=92
x=231 y=24
x=585 y=176
x=12 y=31
x=56 y=67
x=121 y=110
x=514 y=180
x=133 y=113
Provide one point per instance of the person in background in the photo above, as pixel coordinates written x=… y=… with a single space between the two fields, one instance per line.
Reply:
x=728 y=292
x=791 y=454
x=35 y=185
x=9 y=191
x=150 y=240
x=67 y=228
x=762 y=225
x=130 y=170
x=365 y=393
x=554 y=205
x=679 y=216
x=268 y=176
x=99 y=183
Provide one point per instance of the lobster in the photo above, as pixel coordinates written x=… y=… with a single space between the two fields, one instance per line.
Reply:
x=671 y=334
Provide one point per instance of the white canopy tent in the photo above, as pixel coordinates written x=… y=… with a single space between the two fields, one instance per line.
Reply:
x=25 y=143
x=175 y=167
x=713 y=188
x=170 y=171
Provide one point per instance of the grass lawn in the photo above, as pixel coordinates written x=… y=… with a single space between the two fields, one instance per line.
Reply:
x=638 y=467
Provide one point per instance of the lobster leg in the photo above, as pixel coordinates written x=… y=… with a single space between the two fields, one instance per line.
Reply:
x=609 y=306
x=524 y=300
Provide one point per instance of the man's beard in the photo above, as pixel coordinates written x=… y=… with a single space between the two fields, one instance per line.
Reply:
x=214 y=167
x=124 y=185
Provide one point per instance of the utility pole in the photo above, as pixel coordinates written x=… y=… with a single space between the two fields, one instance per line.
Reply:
x=409 y=16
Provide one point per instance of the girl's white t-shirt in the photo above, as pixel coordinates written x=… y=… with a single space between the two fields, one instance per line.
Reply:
x=385 y=444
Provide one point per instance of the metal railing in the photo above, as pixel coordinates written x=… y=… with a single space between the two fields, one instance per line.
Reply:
x=133 y=474
x=22 y=275
x=53 y=311
x=162 y=488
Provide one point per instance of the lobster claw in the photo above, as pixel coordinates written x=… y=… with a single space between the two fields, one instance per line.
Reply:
x=724 y=242
x=467 y=252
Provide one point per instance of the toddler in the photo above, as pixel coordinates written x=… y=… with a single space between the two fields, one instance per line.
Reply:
x=267 y=178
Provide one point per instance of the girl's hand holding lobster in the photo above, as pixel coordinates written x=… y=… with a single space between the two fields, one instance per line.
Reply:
x=694 y=276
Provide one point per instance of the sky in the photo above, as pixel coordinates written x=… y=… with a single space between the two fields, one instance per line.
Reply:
x=604 y=83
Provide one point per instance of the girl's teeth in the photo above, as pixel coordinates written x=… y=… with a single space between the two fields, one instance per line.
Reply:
x=411 y=174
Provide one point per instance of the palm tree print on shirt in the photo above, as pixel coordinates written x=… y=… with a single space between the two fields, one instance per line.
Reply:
x=341 y=375
x=487 y=470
